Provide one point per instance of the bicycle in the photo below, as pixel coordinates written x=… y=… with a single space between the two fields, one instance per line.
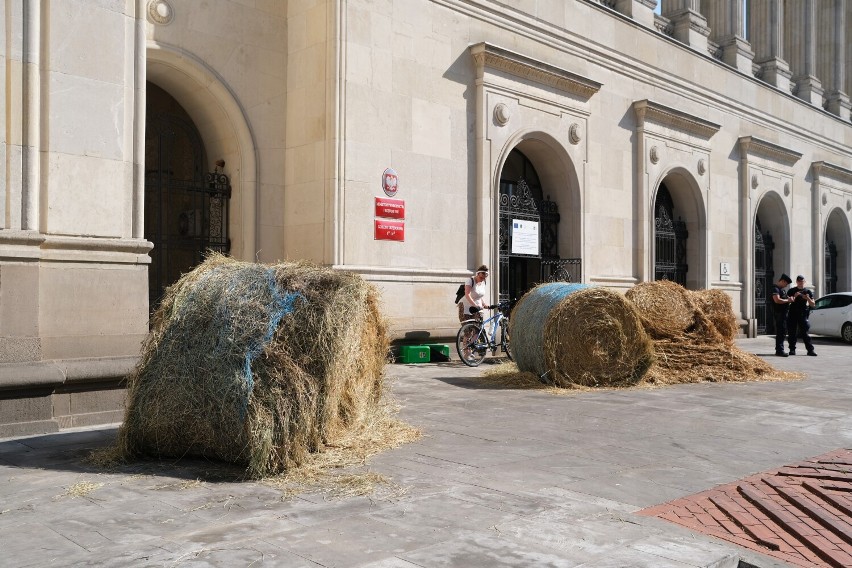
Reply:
x=474 y=340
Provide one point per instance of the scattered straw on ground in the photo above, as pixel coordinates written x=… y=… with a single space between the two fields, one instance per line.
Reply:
x=81 y=489
x=694 y=362
x=334 y=471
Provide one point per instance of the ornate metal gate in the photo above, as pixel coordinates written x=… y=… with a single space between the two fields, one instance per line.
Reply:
x=830 y=267
x=669 y=241
x=186 y=208
x=518 y=203
x=764 y=276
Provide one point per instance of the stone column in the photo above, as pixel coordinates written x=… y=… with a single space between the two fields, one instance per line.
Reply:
x=847 y=18
x=831 y=55
x=800 y=33
x=690 y=26
x=642 y=11
x=766 y=32
x=727 y=28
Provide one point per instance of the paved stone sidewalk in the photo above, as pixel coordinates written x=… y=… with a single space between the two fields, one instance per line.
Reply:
x=501 y=478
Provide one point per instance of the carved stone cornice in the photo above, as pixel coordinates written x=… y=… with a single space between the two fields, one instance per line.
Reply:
x=490 y=56
x=751 y=146
x=824 y=169
x=649 y=111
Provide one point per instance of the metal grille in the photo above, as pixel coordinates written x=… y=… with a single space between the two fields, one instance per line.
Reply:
x=764 y=275
x=186 y=209
x=670 y=241
x=517 y=202
x=830 y=267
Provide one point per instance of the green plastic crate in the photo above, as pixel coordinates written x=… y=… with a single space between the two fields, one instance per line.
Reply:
x=414 y=353
x=438 y=348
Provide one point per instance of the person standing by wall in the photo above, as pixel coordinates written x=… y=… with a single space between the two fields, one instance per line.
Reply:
x=475 y=289
x=781 y=303
x=797 y=319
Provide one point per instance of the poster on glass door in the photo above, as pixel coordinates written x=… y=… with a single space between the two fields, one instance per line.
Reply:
x=524 y=237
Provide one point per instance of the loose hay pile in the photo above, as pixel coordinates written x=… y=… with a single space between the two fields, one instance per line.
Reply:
x=258 y=365
x=693 y=333
x=572 y=335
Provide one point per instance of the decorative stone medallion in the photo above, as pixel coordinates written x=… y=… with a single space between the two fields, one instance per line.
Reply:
x=160 y=12
x=824 y=199
x=574 y=134
x=654 y=155
x=502 y=114
x=702 y=168
x=787 y=189
x=755 y=181
x=849 y=205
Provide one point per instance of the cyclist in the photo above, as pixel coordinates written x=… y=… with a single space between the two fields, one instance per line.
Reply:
x=475 y=289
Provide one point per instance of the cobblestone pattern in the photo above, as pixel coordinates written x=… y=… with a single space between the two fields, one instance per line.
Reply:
x=801 y=513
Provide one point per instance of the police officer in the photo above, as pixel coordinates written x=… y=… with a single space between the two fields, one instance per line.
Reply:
x=797 y=319
x=781 y=303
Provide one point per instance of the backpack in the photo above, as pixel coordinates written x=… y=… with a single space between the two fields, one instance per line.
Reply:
x=459 y=293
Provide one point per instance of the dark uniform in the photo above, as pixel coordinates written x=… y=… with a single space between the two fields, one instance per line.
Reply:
x=780 y=318
x=797 y=319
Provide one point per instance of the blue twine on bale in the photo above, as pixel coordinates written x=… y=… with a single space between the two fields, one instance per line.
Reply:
x=528 y=322
x=279 y=307
x=249 y=308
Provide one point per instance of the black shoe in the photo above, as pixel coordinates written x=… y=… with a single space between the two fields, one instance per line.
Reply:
x=792 y=351
x=780 y=354
x=812 y=353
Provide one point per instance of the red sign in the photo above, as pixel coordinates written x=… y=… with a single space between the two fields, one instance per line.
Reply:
x=390 y=182
x=390 y=208
x=389 y=230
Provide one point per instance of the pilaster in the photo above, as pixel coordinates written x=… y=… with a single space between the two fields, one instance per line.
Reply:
x=766 y=30
x=831 y=59
x=800 y=33
x=642 y=11
x=727 y=28
x=688 y=24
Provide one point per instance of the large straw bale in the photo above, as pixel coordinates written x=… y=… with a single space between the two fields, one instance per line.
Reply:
x=719 y=309
x=257 y=365
x=670 y=311
x=571 y=334
x=693 y=333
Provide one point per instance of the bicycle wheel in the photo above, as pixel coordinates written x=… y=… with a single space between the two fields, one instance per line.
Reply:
x=469 y=344
x=504 y=339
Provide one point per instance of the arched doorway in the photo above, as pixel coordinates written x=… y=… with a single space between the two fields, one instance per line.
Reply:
x=679 y=231
x=186 y=205
x=836 y=246
x=771 y=250
x=670 y=240
x=529 y=231
x=764 y=276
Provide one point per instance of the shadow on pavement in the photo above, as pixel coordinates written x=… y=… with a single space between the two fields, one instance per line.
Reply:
x=77 y=452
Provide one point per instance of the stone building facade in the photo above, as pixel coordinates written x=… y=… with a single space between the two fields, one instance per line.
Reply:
x=609 y=142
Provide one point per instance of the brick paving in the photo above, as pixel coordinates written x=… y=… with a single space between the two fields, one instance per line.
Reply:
x=800 y=513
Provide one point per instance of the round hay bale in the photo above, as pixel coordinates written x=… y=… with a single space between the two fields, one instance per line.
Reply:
x=257 y=365
x=670 y=311
x=719 y=309
x=666 y=308
x=570 y=335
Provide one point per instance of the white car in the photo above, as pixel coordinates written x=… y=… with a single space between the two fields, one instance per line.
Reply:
x=832 y=315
